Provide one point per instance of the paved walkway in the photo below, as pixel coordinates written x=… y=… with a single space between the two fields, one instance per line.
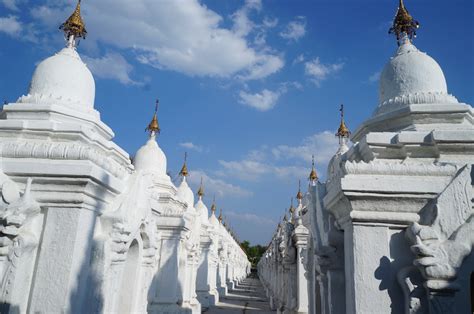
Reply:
x=248 y=297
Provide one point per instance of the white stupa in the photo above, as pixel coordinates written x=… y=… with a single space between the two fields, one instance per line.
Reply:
x=200 y=207
x=63 y=78
x=150 y=157
x=184 y=192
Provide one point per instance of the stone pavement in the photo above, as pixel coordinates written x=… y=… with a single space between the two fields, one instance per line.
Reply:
x=248 y=297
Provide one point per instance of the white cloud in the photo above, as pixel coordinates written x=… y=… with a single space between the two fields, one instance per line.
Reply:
x=217 y=187
x=374 y=77
x=192 y=146
x=322 y=145
x=295 y=29
x=299 y=59
x=268 y=161
x=111 y=66
x=318 y=71
x=11 y=4
x=262 y=101
x=242 y=23
x=183 y=36
x=10 y=25
x=247 y=169
x=248 y=217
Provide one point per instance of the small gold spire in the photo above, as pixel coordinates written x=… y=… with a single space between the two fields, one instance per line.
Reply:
x=213 y=206
x=184 y=170
x=220 y=215
x=74 y=25
x=403 y=24
x=313 y=176
x=200 y=192
x=153 y=127
x=343 y=131
x=291 y=209
x=299 y=195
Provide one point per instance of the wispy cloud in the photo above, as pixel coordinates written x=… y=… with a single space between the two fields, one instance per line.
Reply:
x=295 y=29
x=11 y=4
x=192 y=146
x=10 y=25
x=249 y=217
x=374 y=77
x=217 y=187
x=112 y=66
x=322 y=145
x=273 y=161
x=319 y=72
x=262 y=101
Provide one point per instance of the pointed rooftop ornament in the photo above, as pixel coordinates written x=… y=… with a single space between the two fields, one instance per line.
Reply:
x=220 y=215
x=404 y=26
x=213 y=206
x=299 y=195
x=292 y=208
x=153 y=127
x=342 y=131
x=74 y=27
x=200 y=192
x=313 y=176
x=184 y=170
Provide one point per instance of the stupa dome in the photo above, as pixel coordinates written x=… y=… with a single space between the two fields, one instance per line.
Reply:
x=65 y=78
x=411 y=77
x=185 y=193
x=150 y=157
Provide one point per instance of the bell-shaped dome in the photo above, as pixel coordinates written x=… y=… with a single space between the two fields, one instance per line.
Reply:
x=150 y=157
x=64 y=78
x=411 y=76
x=213 y=220
x=185 y=193
x=201 y=208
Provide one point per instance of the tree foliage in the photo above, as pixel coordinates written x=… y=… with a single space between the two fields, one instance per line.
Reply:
x=254 y=253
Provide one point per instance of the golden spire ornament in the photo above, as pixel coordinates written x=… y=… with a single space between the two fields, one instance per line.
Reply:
x=291 y=209
x=154 y=127
x=200 y=191
x=74 y=27
x=342 y=131
x=299 y=195
x=313 y=176
x=404 y=26
x=220 y=216
x=213 y=206
x=184 y=170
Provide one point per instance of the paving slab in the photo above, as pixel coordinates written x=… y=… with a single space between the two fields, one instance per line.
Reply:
x=248 y=297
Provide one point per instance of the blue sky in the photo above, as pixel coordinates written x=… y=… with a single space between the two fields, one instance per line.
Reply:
x=250 y=89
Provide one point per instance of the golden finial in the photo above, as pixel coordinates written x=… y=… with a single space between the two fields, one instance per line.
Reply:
x=403 y=24
x=291 y=209
x=313 y=176
x=154 y=127
x=299 y=195
x=184 y=170
x=343 y=131
x=200 y=192
x=213 y=206
x=74 y=25
x=220 y=215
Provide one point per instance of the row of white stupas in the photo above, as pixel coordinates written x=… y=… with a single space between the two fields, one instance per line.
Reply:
x=82 y=229
x=392 y=228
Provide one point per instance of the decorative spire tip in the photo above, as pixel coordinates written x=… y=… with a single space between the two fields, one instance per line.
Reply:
x=154 y=127
x=184 y=170
x=74 y=27
x=404 y=26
